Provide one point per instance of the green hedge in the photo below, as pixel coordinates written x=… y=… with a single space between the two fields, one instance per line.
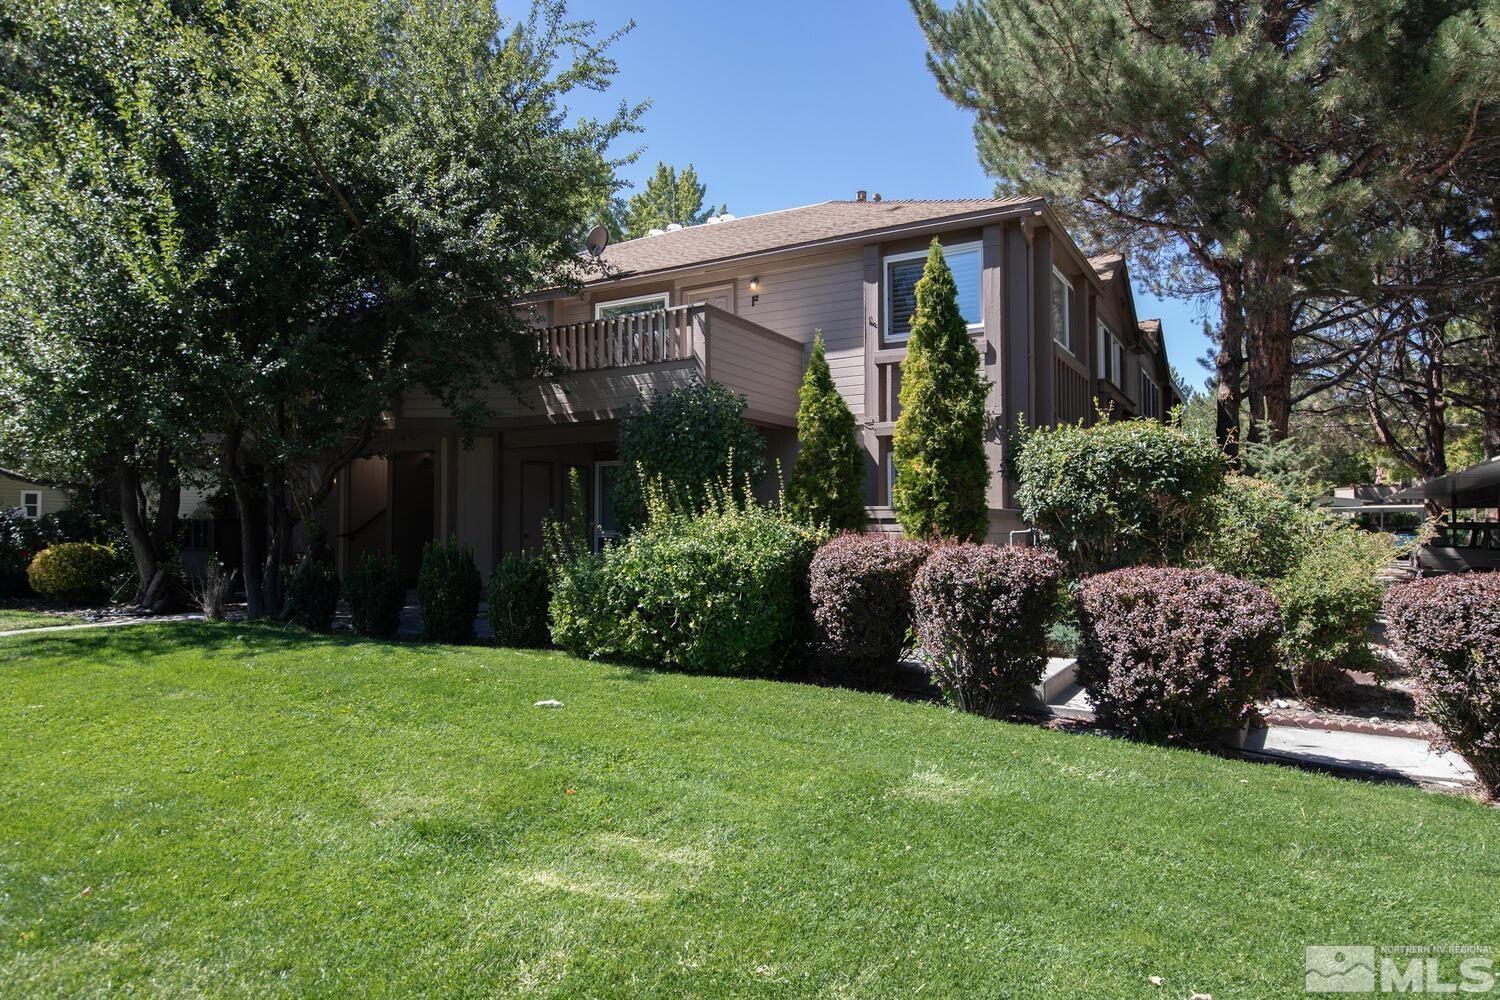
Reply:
x=75 y=572
x=721 y=592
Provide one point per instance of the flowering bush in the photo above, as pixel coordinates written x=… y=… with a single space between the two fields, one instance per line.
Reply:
x=76 y=572
x=518 y=602
x=982 y=614
x=722 y=591
x=860 y=587
x=1175 y=651
x=1448 y=631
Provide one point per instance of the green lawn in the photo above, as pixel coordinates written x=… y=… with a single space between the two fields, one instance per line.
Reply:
x=14 y=618
x=236 y=810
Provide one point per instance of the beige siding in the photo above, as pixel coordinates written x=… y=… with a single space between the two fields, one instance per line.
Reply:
x=766 y=370
x=11 y=489
x=822 y=291
x=476 y=500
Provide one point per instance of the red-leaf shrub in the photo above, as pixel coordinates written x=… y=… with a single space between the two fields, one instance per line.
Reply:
x=982 y=614
x=861 y=602
x=1448 y=631
x=1175 y=651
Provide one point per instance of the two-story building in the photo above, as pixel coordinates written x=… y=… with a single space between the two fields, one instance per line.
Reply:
x=738 y=301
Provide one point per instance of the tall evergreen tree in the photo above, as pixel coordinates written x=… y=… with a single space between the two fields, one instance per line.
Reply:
x=941 y=470
x=1258 y=148
x=828 y=478
x=668 y=197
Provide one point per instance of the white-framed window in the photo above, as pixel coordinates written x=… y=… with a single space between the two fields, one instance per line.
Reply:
x=1062 y=311
x=626 y=307
x=1111 y=356
x=1150 y=396
x=606 y=524
x=31 y=504
x=890 y=476
x=904 y=270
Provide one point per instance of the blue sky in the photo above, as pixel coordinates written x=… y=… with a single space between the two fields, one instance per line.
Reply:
x=782 y=103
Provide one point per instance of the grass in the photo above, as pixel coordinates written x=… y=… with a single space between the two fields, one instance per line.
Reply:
x=17 y=618
x=239 y=810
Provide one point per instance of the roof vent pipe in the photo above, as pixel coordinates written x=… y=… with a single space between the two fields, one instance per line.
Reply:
x=859 y=195
x=877 y=196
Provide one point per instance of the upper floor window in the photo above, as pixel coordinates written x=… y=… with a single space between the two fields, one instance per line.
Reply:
x=1111 y=357
x=1150 y=396
x=31 y=504
x=904 y=270
x=1062 y=312
x=625 y=307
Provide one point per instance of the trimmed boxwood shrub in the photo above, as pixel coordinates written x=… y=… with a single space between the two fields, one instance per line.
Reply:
x=1175 y=652
x=313 y=595
x=1119 y=493
x=519 y=595
x=982 y=613
x=860 y=587
x=376 y=594
x=448 y=590
x=1448 y=631
x=721 y=592
x=74 y=572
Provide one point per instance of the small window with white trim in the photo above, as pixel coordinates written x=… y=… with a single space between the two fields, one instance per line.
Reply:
x=629 y=307
x=1150 y=396
x=904 y=270
x=1062 y=311
x=31 y=504
x=1111 y=356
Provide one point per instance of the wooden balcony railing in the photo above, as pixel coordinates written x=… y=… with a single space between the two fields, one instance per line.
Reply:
x=644 y=338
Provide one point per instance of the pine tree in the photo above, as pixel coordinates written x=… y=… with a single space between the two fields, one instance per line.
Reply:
x=827 y=483
x=669 y=197
x=941 y=471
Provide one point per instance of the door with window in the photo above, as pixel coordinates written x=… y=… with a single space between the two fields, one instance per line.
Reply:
x=718 y=296
x=606 y=524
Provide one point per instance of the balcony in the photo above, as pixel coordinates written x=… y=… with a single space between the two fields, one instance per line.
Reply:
x=605 y=369
x=613 y=363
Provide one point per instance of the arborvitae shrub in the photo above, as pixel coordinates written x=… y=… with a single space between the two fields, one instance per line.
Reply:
x=827 y=486
x=942 y=474
x=448 y=591
x=376 y=594
x=313 y=595
x=519 y=595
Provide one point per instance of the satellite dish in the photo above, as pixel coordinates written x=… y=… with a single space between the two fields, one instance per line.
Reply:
x=597 y=241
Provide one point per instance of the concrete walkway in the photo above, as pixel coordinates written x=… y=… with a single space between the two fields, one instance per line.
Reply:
x=105 y=623
x=1399 y=757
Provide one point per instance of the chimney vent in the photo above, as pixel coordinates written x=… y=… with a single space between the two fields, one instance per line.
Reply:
x=877 y=195
x=859 y=195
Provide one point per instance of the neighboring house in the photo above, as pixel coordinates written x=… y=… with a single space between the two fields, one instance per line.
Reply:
x=31 y=500
x=737 y=301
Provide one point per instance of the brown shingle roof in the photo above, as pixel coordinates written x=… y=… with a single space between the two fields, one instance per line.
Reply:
x=1151 y=332
x=787 y=229
x=1106 y=264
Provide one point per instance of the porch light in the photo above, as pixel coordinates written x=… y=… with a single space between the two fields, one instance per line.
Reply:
x=755 y=284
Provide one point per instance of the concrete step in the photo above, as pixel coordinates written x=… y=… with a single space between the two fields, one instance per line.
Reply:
x=1059 y=674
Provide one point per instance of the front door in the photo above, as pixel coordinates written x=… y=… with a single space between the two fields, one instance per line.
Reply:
x=413 y=509
x=536 y=503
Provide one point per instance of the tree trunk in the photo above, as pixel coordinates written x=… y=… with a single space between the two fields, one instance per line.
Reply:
x=151 y=538
x=1490 y=392
x=1230 y=367
x=1268 y=344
